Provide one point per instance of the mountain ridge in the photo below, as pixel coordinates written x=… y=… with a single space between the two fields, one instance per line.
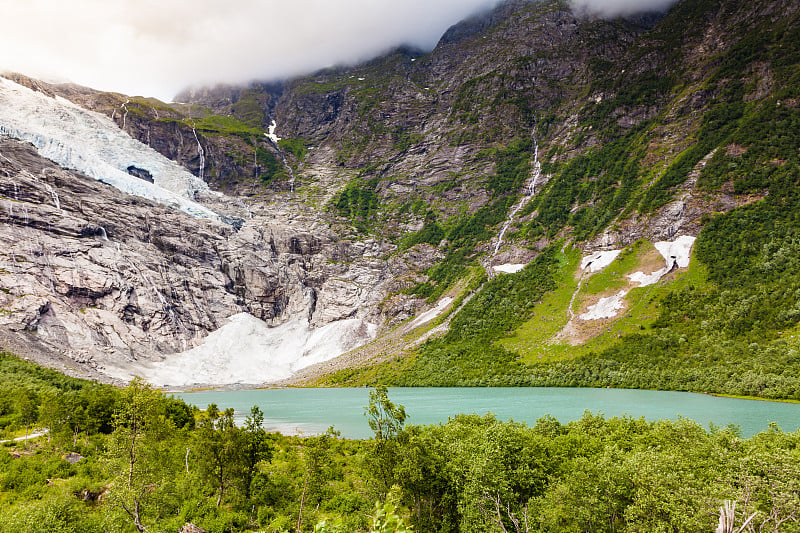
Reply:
x=641 y=127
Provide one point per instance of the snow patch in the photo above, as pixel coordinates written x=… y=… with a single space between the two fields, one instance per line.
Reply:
x=430 y=314
x=648 y=279
x=599 y=260
x=677 y=252
x=605 y=307
x=92 y=144
x=248 y=351
x=509 y=268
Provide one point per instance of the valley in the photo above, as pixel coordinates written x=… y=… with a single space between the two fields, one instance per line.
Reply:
x=572 y=219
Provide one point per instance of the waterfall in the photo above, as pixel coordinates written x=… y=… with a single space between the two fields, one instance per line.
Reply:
x=570 y=312
x=54 y=196
x=530 y=191
x=124 y=115
x=288 y=169
x=201 y=153
x=273 y=138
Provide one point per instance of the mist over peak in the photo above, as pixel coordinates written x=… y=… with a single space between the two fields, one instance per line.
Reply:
x=152 y=48
x=617 y=8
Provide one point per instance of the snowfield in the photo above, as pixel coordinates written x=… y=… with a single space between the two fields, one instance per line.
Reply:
x=509 y=268
x=430 y=314
x=605 y=307
x=599 y=260
x=675 y=253
x=92 y=144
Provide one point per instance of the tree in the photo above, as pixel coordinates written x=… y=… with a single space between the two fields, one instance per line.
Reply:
x=220 y=445
x=141 y=454
x=256 y=447
x=386 y=419
x=28 y=408
x=318 y=463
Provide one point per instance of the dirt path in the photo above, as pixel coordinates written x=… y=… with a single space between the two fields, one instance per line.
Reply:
x=23 y=438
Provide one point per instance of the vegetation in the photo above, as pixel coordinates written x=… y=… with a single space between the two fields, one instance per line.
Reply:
x=158 y=470
x=601 y=182
x=296 y=147
x=358 y=202
x=512 y=168
x=430 y=233
x=268 y=167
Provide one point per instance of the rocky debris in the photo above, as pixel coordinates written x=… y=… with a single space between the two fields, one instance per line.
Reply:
x=189 y=527
x=73 y=458
x=140 y=173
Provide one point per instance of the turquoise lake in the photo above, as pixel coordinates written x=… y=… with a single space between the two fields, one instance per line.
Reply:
x=312 y=411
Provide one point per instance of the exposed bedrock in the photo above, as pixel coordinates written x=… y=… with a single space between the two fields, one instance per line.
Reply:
x=101 y=282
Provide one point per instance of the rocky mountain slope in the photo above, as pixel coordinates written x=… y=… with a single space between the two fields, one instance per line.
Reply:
x=370 y=193
x=110 y=282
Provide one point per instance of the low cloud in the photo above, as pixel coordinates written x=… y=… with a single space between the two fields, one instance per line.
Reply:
x=617 y=8
x=157 y=47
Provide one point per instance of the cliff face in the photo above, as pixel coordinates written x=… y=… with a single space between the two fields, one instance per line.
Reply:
x=355 y=194
x=112 y=281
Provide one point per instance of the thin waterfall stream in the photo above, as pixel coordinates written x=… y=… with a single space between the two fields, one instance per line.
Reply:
x=201 y=153
x=529 y=193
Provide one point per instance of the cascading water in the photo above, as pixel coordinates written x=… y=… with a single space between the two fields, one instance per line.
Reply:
x=531 y=190
x=125 y=115
x=54 y=196
x=273 y=138
x=201 y=153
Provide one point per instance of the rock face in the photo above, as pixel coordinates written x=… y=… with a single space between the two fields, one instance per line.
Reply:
x=110 y=281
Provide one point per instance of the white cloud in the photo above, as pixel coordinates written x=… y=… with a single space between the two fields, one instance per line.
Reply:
x=158 y=47
x=614 y=8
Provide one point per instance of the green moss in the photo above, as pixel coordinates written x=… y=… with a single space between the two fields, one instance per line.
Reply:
x=296 y=147
x=358 y=201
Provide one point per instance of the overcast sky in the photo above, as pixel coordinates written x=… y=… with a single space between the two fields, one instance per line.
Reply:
x=158 y=47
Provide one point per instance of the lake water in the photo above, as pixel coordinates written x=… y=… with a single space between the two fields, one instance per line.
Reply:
x=312 y=411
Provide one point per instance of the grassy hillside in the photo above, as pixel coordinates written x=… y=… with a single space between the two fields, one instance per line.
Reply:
x=726 y=325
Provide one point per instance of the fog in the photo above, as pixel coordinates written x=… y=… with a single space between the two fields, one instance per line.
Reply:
x=615 y=8
x=159 y=47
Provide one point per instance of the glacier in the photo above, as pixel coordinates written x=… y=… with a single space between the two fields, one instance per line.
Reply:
x=92 y=144
x=247 y=351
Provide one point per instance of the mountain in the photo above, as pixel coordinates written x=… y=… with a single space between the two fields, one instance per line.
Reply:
x=531 y=191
